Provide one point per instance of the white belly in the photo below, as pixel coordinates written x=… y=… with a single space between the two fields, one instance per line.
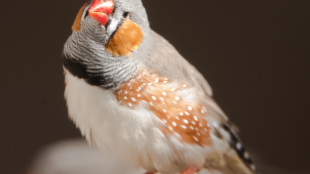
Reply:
x=129 y=134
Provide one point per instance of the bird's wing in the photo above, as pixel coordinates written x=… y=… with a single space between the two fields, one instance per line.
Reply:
x=166 y=60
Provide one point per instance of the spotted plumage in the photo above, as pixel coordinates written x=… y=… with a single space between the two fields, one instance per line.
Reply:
x=179 y=117
x=132 y=94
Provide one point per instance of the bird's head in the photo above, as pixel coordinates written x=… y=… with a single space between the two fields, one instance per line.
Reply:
x=106 y=39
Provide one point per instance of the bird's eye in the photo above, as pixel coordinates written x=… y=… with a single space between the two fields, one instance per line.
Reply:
x=125 y=14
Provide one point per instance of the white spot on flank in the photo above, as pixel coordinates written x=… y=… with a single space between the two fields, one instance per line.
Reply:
x=165 y=81
x=161 y=98
x=186 y=113
x=151 y=103
x=139 y=95
x=208 y=124
x=202 y=111
x=125 y=98
x=125 y=92
x=119 y=92
x=173 y=89
x=144 y=84
x=170 y=128
x=156 y=80
x=177 y=118
x=177 y=98
x=128 y=84
x=166 y=78
x=190 y=108
x=198 y=133
x=164 y=94
x=130 y=87
x=129 y=104
x=138 y=77
x=197 y=129
x=216 y=124
x=165 y=111
x=191 y=127
x=193 y=123
x=239 y=146
x=206 y=129
x=168 y=116
x=200 y=124
x=253 y=167
x=174 y=102
x=149 y=84
x=185 y=121
x=133 y=99
x=184 y=86
x=153 y=97
x=138 y=89
x=196 y=139
x=174 y=123
x=184 y=127
x=246 y=155
x=164 y=121
x=195 y=117
x=181 y=113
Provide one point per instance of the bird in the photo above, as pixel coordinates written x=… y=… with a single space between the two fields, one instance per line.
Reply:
x=133 y=95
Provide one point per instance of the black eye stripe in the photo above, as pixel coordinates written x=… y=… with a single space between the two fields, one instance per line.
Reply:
x=85 y=12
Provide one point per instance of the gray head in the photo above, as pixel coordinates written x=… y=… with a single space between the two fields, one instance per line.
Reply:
x=107 y=38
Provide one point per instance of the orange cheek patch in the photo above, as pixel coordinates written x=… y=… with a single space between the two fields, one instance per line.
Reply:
x=77 y=23
x=127 y=38
x=180 y=117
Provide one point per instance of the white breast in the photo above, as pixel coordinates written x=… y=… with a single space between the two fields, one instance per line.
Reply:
x=129 y=134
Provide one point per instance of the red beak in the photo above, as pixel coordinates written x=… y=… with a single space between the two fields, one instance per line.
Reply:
x=100 y=10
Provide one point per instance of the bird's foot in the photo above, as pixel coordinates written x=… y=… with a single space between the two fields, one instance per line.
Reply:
x=190 y=170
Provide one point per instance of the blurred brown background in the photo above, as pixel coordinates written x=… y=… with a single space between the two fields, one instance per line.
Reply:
x=255 y=55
